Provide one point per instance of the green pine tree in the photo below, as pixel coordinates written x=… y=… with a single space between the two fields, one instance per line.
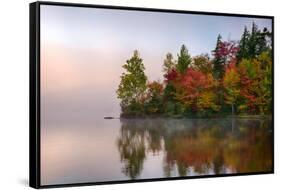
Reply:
x=184 y=60
x=218 y=61
x=243 y=45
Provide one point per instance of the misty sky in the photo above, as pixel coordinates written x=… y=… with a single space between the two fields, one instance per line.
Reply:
x=83 y=49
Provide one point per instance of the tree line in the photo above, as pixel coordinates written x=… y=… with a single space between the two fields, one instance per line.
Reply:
x=235 y=80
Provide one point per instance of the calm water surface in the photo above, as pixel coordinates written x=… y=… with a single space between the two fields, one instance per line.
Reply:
x=110 y=150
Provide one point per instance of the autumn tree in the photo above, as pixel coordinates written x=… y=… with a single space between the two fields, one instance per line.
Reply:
x=251 y=75
x=171 y=105
x=132 y=85
x=256 y=84
x=154 y=97
x=171 y=73
x=224 y=53
x=266 y=82
x=202 y=63
x=227 y=51
x=231 y=84
x=195 y=91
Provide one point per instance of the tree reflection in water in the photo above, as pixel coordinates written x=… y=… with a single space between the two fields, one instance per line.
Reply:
x=196 y=147
x=132 y=150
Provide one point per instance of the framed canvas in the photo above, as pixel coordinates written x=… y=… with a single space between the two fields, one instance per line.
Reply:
x=123 y=94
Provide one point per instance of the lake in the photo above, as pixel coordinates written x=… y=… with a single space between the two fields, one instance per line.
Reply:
x=121 y=149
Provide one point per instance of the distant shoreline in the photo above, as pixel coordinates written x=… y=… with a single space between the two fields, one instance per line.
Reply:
x=191 y=117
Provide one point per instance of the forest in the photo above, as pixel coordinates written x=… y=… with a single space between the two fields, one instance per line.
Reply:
x=235 y=80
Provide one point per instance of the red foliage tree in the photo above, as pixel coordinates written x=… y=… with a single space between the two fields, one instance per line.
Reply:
x=171 y=75
x=194 y=90
x=228 y=50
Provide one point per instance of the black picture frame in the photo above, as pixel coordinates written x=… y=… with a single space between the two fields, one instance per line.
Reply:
x=34 y=92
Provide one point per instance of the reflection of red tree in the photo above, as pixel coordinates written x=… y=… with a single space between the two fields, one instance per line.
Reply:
x=204 y=147
x=206 y=150
x=251 y=158
x=193 y=151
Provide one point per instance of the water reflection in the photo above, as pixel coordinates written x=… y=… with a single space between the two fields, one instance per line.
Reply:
x=111 y=150
x=132 y=150
x=196 y=147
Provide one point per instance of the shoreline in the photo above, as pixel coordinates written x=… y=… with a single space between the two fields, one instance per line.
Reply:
x=269 y=116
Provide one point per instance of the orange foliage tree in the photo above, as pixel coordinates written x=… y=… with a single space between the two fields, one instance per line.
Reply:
x=231 y=84
x=195 y=90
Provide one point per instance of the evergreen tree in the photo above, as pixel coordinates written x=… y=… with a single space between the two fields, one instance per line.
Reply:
x=243 y=45
x=253 y=41
x=218 y=61
x=262 y=43
x=184 y=60
x=253 y=44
